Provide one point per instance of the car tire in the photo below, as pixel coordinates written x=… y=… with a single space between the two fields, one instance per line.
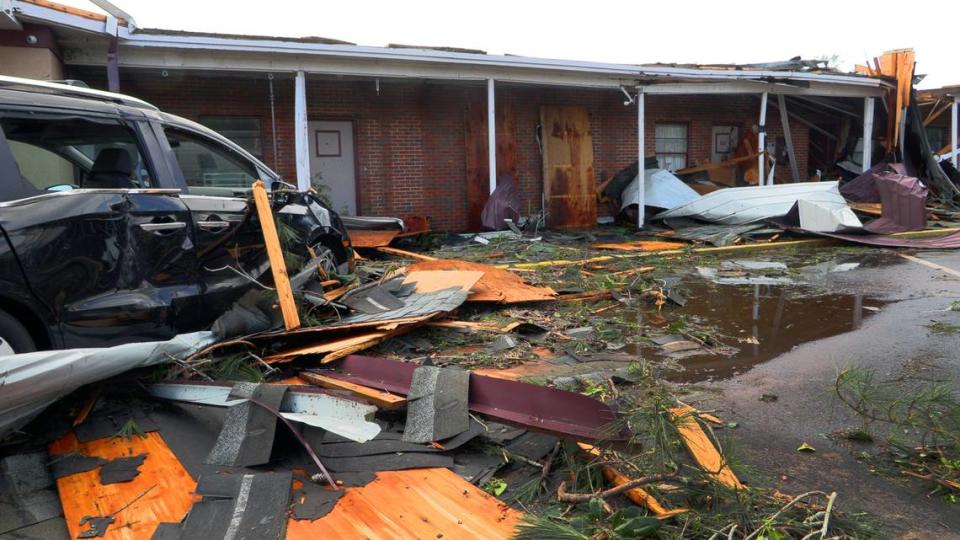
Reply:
x=14 y=336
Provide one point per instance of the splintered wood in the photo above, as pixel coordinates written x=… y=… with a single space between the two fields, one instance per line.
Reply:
x=701 y=448
x=164 y=487
x=642 y=245
x=291 y=318
x=637 y=495
x=414 y=504
x=383 y=400
x=496 y=285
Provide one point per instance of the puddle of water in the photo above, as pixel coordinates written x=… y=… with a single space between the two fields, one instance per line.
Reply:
x=769 y=320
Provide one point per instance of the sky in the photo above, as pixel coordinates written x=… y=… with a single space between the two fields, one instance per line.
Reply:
x=632 y=32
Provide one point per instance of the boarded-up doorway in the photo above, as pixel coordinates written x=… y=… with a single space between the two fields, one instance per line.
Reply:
x=569 y=186
x=478 y=169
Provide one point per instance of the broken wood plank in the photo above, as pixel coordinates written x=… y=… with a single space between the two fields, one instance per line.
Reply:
x=413 y=504
x=407 y=254
x=170 y=486
x=288 y=306
x=788 y=137
x=701 y=447
x=383 y=400
x=641 y=245
x=480 y=326
x=637 y=495
x=812 y=242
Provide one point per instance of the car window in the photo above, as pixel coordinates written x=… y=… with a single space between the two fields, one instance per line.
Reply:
x=59 y=154
x=209 y=167
x=41 y=167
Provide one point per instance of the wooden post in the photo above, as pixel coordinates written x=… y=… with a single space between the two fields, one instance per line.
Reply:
x=953 y=129
x=788 y=138
x=291 y=318
x=867 y=133
x=641 y=159
x=492 y=133
x=762 y=141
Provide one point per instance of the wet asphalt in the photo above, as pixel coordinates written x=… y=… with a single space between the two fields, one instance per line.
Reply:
x=910 y=296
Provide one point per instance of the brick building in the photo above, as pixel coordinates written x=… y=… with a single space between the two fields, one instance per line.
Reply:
x=405 y=131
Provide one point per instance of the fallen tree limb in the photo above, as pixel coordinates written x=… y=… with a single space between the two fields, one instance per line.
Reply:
x=565 y=496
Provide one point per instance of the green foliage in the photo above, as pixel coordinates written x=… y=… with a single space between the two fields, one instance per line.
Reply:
x=495 y=487
x=626 y=523
x=922 y=417
x=130 y=429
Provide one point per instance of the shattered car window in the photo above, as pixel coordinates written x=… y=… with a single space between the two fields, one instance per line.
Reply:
x=210 y=168
x=54 y=154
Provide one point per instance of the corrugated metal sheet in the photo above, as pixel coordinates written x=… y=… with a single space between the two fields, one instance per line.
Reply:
x=661 y=189
x=737 y=206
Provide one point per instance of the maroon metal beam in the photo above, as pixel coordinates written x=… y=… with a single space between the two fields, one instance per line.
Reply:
x=540 y=408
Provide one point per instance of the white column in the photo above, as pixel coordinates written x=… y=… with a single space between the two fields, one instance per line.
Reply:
x=301 y=141
x=641 y=157
x=867 y=133
x=492 y=134
x=953 y=129
x=762 y=141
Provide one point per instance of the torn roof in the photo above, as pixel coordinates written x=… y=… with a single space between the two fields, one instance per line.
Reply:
x=165 y=49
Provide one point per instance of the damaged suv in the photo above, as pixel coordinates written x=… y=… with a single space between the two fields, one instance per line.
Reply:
x=122 y=223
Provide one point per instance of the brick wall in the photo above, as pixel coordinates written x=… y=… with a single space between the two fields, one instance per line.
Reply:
x=410 y=135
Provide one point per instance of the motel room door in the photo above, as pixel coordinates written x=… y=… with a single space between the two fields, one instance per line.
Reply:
x=332 y=157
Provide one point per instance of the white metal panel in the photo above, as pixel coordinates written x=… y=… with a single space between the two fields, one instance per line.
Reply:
x=661 y=189
x=736 y=206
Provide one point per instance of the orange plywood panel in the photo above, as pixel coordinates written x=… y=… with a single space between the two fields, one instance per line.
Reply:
x=372 y=239
x=164 y=487
x=422 y=503
x=496 y=285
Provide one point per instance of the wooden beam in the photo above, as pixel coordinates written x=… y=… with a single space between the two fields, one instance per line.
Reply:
x=383 y=400
x=811 y=125
x=407 y=254
x=291 y=318
x=788 y=137
x=826 y=104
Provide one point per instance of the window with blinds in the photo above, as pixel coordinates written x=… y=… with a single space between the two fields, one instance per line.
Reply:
x=671 y=141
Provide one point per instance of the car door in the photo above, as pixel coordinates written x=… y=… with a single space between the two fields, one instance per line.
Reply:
x=217 y=183
x=114 y=265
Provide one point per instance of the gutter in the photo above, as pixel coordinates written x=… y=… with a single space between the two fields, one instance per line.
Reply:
x=134 y=39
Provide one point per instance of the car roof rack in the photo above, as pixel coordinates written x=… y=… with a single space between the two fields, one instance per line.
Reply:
x=72 y=90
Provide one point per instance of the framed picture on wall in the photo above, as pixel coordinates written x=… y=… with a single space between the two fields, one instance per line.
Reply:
x=327 y=143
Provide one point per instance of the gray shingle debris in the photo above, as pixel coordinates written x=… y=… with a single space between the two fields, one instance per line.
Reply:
x=415 y=305
x=313 y=501
x=246 y=438
x=66 y=464
x=121 y=470
x=97 y=526
x=251 y=506
x=437 y=404
x=374 y=300
x=27 y=493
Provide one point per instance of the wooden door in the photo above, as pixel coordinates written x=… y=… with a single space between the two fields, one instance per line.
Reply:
x=569 y=185
x=475 y=143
